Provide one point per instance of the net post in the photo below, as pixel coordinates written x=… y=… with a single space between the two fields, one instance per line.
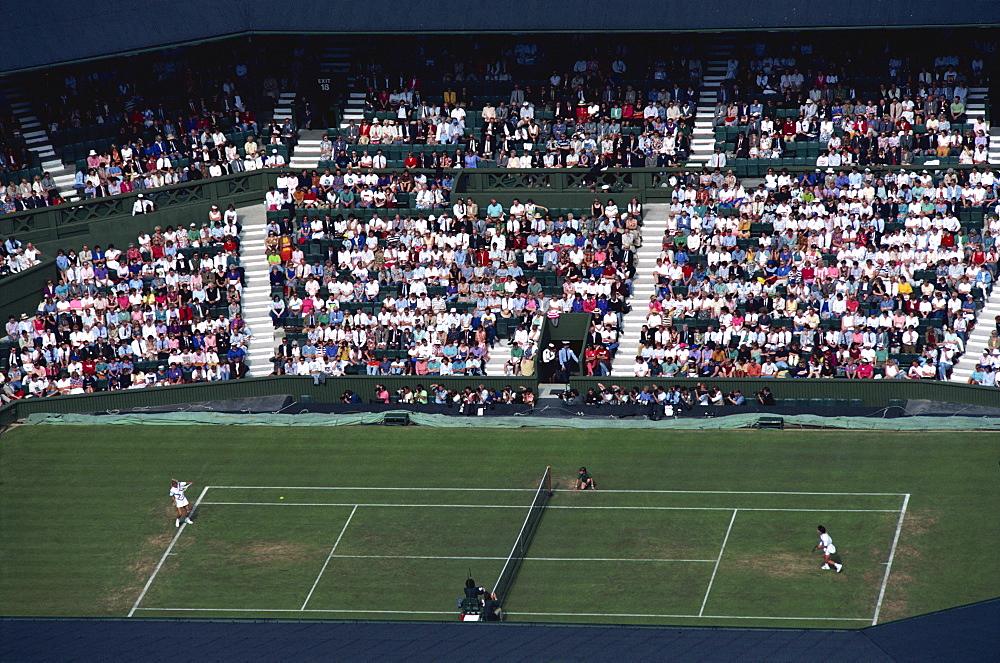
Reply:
x=548 y=479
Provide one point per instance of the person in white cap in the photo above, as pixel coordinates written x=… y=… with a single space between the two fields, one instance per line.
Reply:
x=275 y=160
x=142 y=205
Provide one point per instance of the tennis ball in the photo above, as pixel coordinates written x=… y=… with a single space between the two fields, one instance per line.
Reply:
x=282 y=497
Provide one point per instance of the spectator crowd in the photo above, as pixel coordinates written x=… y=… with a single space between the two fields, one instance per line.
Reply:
x=164 y=310
x=823 y=274
x=418 y=271
x=874 y=109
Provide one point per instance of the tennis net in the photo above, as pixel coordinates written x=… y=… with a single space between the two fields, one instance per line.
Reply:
x=520 y=548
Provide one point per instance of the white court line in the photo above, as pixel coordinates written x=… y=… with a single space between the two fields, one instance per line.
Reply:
x=528 y=614
x=527 y=559
x=717 y=561
x=558 y=490
x=515 y=506
x=892 y=555
x=164 y=558
x=327 y=562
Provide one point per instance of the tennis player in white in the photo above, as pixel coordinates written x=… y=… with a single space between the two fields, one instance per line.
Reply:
x=826 y=543
x=180 y=501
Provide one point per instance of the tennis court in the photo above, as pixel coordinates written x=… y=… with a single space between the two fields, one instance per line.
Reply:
x=655 y=557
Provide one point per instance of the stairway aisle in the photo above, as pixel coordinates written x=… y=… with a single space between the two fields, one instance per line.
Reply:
x=257 y=290
x=498 y=358
x=355 y=107
x=978 y=337
x=975 y=108
x=305 y=156
x=37 y=140
x=643 y=285
x=703 y=137
x=285 y=108
x=975 y=103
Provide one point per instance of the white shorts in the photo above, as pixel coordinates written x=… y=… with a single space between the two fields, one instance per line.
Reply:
x=181 y=503
x=830 y=549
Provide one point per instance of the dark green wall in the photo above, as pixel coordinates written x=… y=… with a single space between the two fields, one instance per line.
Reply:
x=110 y=220
x=22 y=292
x=873 y=393
x=294 y=386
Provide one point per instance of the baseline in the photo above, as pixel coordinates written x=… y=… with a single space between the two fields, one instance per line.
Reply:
x=527 y=614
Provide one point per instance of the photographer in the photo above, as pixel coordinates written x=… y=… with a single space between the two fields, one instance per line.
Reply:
x=736 y=398
x=765 y=397
x=570 y=397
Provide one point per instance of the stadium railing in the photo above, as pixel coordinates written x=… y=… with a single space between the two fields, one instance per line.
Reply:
x=49 y=228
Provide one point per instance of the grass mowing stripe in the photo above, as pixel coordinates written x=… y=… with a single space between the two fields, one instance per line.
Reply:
x=529 y=559
x=892 y=555
x=329 y=557
x=514 y=506
x=717 y=561
x=159 y=565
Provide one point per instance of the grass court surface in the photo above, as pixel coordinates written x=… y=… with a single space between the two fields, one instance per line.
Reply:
x=375 y=523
